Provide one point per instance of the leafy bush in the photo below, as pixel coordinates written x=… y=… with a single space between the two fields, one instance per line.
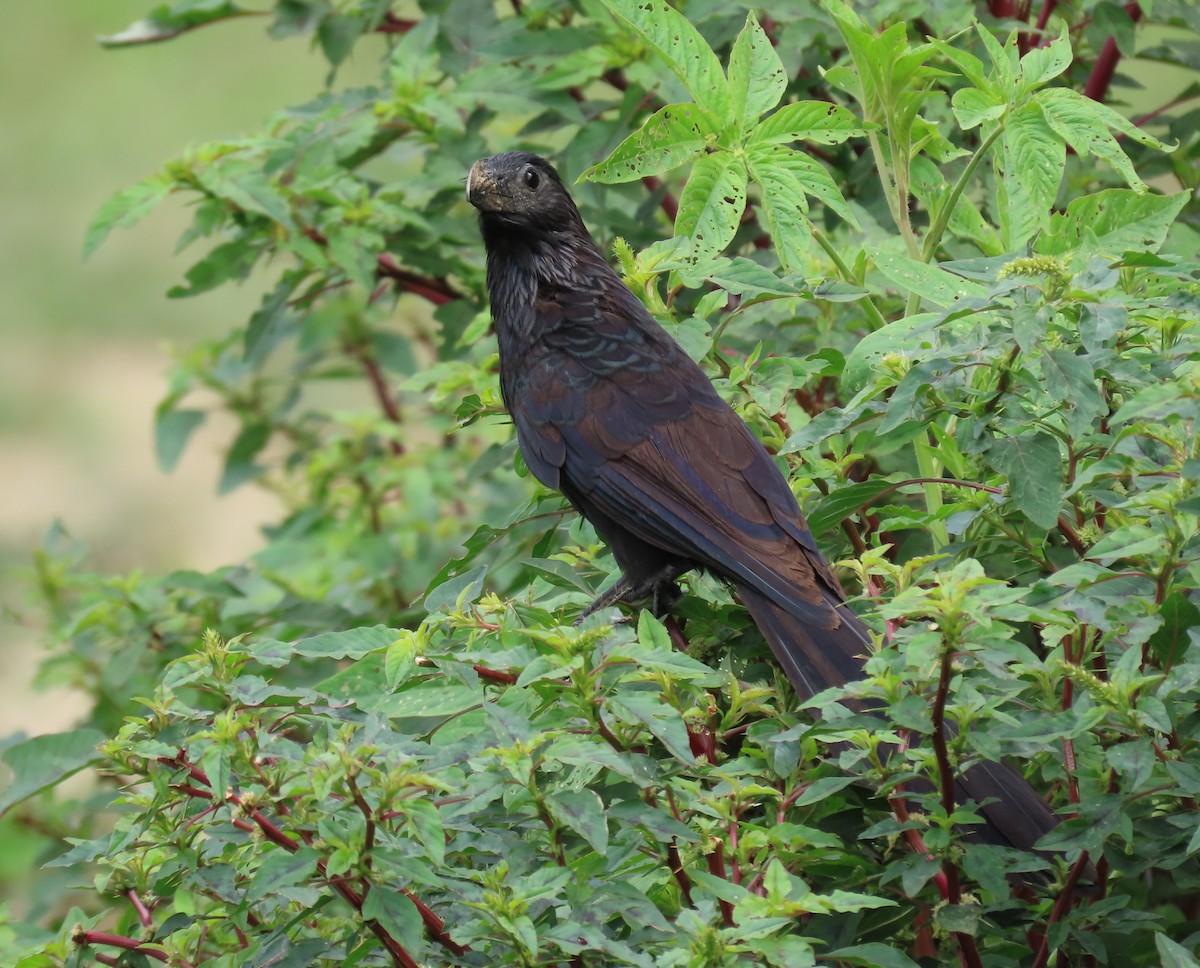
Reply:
x=932 y=278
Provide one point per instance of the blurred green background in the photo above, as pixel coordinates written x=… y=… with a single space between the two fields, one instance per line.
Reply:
x=85 y=345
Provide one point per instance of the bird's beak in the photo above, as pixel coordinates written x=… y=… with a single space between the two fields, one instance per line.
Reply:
x=480 y=184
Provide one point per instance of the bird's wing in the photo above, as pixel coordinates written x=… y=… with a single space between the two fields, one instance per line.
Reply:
x=610 y=403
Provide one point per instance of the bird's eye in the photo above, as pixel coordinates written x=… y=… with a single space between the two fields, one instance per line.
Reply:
x=532 y=177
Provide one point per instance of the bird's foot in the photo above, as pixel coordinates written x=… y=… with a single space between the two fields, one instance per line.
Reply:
x=659 y=587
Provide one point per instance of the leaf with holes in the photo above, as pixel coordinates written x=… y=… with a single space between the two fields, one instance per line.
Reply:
x=712 y=202
x=669 y=137
x=672 y=35
x=1111 y=223
x=757 y=79
x=819 y=121
x=1084 y=124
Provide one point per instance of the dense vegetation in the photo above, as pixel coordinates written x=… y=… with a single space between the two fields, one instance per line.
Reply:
x=929 y=273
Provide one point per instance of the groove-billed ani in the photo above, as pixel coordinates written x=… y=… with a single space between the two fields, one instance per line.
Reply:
x=614 y=414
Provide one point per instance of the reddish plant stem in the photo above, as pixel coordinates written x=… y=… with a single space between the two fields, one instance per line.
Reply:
x=1068 y=697
x=383 y=394
x=676 y=864
x=278 y=837
x=437 y=291
x=967 y=949
x=669 y=204
x=923 y=944
x=1061 y=906
x=1106 y=63
x=495 y=675
x=143 y=912
x=1044 y=15
x=917 y=845
x=391 y=24
x=1144 y=119
x=434 y=925
x=716 y=867
x=735 y=867
x=675 y=631
x=86 y=938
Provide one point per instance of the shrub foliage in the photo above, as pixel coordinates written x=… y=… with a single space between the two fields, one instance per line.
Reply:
x=931 y=275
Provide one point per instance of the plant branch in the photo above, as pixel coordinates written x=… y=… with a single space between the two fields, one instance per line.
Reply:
x=933 y=237
x=844 y=270
x=1061 y=906
x=1105 y=67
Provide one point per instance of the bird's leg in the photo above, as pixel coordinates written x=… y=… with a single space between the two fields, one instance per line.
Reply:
x=659 y=587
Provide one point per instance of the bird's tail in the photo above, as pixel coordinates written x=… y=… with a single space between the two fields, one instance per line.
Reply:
x=815 y=659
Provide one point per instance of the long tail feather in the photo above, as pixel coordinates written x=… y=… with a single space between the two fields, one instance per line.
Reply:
x=816 y=659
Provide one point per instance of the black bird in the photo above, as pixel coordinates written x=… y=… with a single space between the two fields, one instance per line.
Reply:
x=610 y=411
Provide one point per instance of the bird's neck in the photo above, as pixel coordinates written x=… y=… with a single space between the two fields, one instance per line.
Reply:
x=520 y=264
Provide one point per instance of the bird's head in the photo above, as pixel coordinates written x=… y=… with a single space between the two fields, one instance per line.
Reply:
x=521 y=190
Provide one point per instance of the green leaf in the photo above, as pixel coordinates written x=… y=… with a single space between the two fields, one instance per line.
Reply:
x=239 y=462
x=972 y=107
x=1084 y=125
x=241 y=182
x=757 y=79
x=935 y=285
x=167 y=22
x=785 y=177
x=743 y=277
x=1072 y=379
x=46 y=760
x=400 y=658
x=1033 y=466
x=652 y=633
x=426 y=821
x=663 y=720
x=782 y=203
x=712 y=202
x=1044 y=62
x=822 y=789
x=959 y=918
x=280 y=869
x=351 y=644
x=672 y=35
x=668 y=138
x=582 y=812
x=337 y=35
x=1033 y=162
x=1111 y=223
x=455 y=591
x=126 y=208
x=840 y=504
x=819 y=121
x=433 y=700
x=398 y=916
x=172 y=431
x=910 y=336
x=1174 y=955
x=872 y=955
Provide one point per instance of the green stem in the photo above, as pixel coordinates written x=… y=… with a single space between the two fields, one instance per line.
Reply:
x=877 y=317
x=938 y=229
x=885 y=175
x=931 y=467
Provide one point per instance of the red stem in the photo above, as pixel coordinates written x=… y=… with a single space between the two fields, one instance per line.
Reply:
x=716 y=867
x=1106 y=64
x=1061 y=906
x=84 y=938
x=143 y=912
